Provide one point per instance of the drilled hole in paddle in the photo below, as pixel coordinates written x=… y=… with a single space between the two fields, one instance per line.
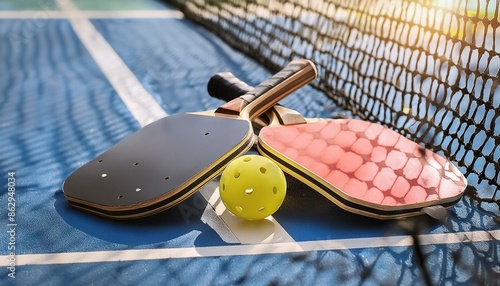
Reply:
x=138 y=189
x=120 y=197
x=136 y=164
x=104 y=175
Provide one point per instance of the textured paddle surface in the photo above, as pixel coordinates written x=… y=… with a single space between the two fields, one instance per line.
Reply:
x=368 y=162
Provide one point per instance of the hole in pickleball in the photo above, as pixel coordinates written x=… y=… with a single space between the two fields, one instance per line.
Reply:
x=223 y=187
x=138 y=189
x=247 y=159
x=249 y=191
x=261 y=209
x=263 y=170
x=120 y=197
x=275 y=190
x=236 y=174
x=238 y=208
x=104 y=175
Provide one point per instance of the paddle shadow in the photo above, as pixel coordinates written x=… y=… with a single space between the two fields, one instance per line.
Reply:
x=180 y=225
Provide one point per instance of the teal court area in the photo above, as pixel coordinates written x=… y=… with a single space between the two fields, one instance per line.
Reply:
x=76 y=77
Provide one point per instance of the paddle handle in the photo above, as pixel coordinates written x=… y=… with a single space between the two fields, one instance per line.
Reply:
x=261 y=98
x=226 y=86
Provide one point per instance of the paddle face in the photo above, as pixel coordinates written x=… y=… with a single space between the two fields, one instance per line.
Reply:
x=364 y=167
x=158 y=166
x=168 y=160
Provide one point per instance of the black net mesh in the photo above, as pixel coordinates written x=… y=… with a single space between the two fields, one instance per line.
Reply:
x=429 y=69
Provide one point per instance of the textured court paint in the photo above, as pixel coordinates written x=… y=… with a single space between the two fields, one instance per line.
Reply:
x=368 y=162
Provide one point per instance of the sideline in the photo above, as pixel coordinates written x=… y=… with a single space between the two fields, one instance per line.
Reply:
x=257 y=249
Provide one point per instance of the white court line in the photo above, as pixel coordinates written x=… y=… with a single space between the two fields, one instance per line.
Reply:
x=64 y=14
x=146 y=110
x=140 y=103
x=247 y=249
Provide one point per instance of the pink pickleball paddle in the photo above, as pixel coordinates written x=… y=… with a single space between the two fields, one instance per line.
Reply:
x=362 y=167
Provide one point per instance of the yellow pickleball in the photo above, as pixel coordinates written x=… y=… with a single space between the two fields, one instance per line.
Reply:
x=252 y=187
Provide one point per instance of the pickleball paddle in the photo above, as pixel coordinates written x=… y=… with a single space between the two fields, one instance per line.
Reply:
x=168 y=160
x=362 y=167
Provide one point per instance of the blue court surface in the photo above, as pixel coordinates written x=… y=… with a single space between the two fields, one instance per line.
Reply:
x=79 y=76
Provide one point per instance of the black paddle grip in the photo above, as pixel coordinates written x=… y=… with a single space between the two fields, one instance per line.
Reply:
x=306 y=69
x=226 y=86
